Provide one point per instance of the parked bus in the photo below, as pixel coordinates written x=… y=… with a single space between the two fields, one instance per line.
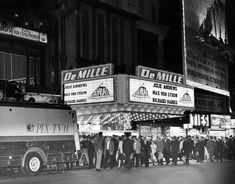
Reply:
x=33 y=136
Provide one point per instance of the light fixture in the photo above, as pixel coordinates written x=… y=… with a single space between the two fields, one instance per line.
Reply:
x=16 y=15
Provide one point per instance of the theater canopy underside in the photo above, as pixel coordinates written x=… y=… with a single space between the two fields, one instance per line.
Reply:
x=128 y=108
x=118 y=117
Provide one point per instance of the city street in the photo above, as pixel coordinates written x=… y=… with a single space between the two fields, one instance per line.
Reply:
x=195 y=173
x=113 y=82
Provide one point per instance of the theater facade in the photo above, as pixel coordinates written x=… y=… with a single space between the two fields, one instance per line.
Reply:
x=153 y=102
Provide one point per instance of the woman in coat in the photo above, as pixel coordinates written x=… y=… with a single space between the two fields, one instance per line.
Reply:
x=159 y=150
x=146 y=150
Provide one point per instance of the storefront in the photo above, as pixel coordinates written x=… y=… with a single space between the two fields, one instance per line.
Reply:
x=113 y=103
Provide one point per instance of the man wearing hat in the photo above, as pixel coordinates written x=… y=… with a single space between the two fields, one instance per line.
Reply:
x=187 y=147
x=91 y=151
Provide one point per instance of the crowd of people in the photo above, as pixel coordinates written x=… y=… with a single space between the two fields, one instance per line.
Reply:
x=132 y=151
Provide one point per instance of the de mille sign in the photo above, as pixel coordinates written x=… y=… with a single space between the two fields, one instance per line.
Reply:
x=87 y=73
x=160 y=75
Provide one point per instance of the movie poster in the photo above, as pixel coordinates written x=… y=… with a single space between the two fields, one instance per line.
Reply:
x=205 y=38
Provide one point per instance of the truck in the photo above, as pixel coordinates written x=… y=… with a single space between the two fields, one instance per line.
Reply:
x=36 y=135
x=14 y=90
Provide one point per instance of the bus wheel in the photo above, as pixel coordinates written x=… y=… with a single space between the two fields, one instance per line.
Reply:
x=32 y=100
x=33 y=163
x=67 y=165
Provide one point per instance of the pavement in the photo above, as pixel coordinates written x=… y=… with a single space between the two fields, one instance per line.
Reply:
x=195 y=173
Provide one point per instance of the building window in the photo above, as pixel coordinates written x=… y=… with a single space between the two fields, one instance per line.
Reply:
x=18 y=67
x=85 y=33
x=34 y=70
x=147 y=48
x=132 y=5
x=101 y=38
x=141 y=7
x=2 y=66
x=115 y=40
x=114 y=2
x=13 y=67
x=154 y=11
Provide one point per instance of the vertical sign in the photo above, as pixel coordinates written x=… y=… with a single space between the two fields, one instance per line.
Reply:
x=204 y=35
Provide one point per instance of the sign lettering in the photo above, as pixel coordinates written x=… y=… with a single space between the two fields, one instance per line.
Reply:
x=93 y=91
x=5 y=29
x=23 y=33
x=160 y=75
x=86 y=73
x=199 y=120
x=160 y=93
x=46 y=128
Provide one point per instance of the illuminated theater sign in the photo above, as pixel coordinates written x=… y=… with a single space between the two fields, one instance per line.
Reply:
x=86 y=85
x=160 y=75
x=160 y=93
x=205 y=52
x=89 y=91
x=199 y=120
x=91 y=72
